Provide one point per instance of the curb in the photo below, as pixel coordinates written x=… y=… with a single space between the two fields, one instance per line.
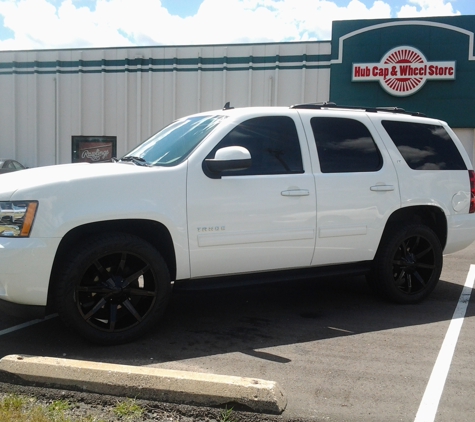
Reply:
x=146 y=383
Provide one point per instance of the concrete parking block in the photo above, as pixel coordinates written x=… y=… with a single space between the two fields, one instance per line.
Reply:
x=147 y=383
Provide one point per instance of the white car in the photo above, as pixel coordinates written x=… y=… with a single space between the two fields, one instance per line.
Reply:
x=236 y=195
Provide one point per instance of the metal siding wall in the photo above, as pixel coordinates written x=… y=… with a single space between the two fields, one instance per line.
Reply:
x=67 y=107
x=240 y=84
x=113 y=110
x=46 y=122
x=467 y=137
x=130 y=93
x=22 y=118
x=8 y=113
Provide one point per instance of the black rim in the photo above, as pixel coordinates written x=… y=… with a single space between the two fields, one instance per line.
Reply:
x=413 y=265
x=116 y=292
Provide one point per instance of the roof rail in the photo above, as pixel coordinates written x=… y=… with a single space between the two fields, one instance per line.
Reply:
x=325 y=104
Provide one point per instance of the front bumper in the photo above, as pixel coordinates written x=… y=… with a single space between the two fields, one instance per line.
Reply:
x=25 y=269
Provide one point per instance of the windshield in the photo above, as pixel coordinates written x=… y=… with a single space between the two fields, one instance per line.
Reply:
x=174 y=143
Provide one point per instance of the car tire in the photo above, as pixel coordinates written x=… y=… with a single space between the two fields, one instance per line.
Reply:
x=113 y=288
x=407 y=265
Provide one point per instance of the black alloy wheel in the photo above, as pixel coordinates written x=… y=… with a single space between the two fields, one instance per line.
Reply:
x=113 y=289
x=116 y=292
x=408 y=264
x=414 y=263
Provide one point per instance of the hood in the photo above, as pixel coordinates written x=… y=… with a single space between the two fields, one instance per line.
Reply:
x=51 y=176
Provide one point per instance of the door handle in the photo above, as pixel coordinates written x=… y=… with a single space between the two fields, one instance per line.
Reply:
x=295 y=192
x=382 y=188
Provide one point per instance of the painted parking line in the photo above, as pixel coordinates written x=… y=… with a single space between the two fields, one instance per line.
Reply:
x=430 y=401
x=25 y=325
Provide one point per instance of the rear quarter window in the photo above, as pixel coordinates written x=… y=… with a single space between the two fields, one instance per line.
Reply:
x=424 y=146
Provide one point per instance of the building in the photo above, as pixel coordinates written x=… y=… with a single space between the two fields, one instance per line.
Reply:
x=62 y=106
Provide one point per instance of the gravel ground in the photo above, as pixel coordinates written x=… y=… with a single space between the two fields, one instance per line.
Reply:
x=101 y=407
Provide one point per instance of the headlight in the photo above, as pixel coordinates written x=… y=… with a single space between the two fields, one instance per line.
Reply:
x=16 y=218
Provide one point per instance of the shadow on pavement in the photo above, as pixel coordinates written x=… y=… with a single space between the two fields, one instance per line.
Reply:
x=246 y=320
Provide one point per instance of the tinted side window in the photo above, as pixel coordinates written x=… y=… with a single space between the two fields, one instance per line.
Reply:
x=273 y=143
x=345 y=145
x=425 y=147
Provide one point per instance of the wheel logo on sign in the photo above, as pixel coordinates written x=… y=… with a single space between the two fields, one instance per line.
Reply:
x=403 y=71
x=398 y=85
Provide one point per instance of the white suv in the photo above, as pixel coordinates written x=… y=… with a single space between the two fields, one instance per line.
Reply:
x=236 y=195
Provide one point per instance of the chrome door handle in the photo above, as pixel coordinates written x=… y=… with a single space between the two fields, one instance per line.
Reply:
x=382 y=188
x=295 y=192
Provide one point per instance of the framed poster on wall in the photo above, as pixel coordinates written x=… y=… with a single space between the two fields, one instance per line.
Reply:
x=93 y=149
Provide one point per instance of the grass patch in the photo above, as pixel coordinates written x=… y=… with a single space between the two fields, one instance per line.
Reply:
x=227 y=415
x=17 y=408
x=128 y=409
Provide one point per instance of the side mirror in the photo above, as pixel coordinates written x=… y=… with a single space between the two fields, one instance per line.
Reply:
x=227 y=159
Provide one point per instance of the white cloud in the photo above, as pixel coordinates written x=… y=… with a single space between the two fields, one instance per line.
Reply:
x=313 y=19
x=41 y=24
x=422 y=8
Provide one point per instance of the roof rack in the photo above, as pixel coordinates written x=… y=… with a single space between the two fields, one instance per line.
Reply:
x=325 y=104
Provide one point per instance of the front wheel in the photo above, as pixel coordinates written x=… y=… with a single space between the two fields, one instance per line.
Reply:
x=408 y=264
x=113 y=288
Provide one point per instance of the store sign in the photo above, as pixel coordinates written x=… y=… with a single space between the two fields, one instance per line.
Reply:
x=93 y=153
x=93 y=149
x=403 y=71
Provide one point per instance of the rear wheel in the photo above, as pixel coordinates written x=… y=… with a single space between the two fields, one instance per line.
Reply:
x=408 y=264
x=113 y=288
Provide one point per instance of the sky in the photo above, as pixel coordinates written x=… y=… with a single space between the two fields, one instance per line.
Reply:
x=54 y=24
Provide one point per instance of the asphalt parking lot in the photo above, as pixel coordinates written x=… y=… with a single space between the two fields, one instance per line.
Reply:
x=338 y=352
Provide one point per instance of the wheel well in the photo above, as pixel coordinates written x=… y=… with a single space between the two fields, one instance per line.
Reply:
x=431 y=216
x=153 y=232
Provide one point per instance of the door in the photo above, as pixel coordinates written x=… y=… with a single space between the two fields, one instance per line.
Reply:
x=357 y=187
x=257 y=219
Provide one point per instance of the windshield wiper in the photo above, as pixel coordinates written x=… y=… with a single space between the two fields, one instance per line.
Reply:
x=139 y=161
